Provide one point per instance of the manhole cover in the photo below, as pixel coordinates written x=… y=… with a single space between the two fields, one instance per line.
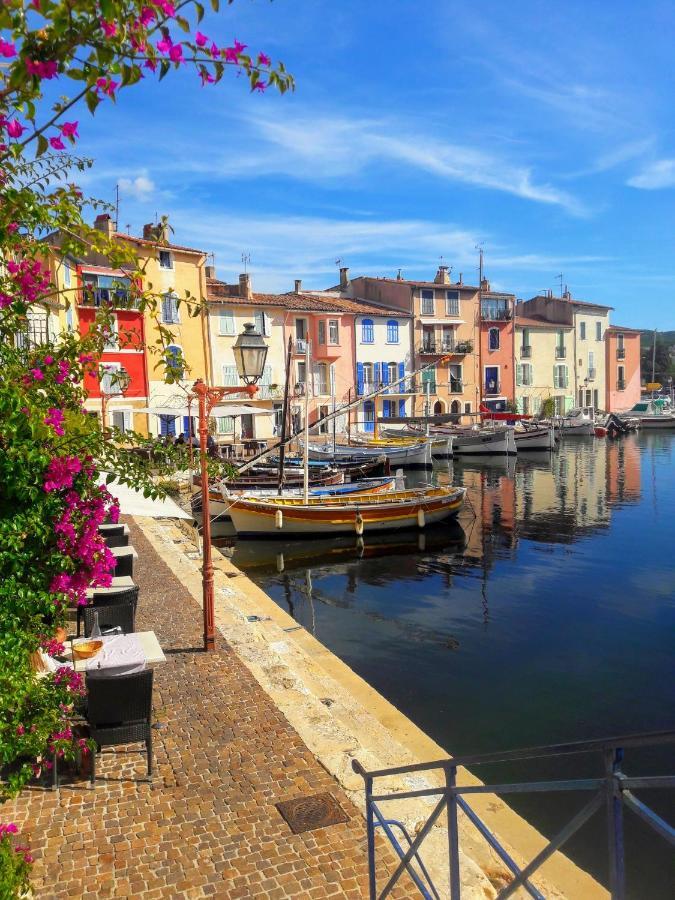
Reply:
x=308 y=813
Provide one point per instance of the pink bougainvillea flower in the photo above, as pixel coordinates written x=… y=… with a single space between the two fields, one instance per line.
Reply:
x=109 y=28
x=15 y=129
x=165 y=45
x=9 y=828
x=20 y=729
x=147 y=16
x=260 y=86
x=5 y=300
x=42 y=69
x=214 y=49
x=176 y=53
x=48 y=360
x=69 y=129
x=7 y=49
x=264 y=60
x=12 y=227
x=37 y=374
x=239 y=47
x=54 y=419
x=167 y=8
x=150 y=64
x=57 y=143
x=201 y=40
x=230 y=54
x=107 y=85
x=206 y=78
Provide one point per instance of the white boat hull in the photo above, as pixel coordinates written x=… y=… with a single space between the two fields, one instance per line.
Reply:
x=584 y=429
x=483 y=443
x=657 y=422
x=410 y=455
x=535 y=439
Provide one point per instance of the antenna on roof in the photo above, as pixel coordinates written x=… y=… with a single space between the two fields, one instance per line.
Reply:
x=338 y=261
x=560 y=278
x=128 y=227
x=117 y=206
x=246 y=260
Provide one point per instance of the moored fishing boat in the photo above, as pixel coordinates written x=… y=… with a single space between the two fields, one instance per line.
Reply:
x=291 y=517
x=417 y=454
x=652 y=414
x=534 y=437
x=441 y=444
x=578 y=422
x=484 y=441
x=221 y=500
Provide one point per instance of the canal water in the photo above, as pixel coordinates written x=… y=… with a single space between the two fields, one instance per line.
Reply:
x=545 y=614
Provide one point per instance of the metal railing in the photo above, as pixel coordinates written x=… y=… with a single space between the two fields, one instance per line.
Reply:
x=560 y=352
x=433 y=348
x=300 y=345
x=118 y=298
x=496 y=313
x=621 y=385
x=526 y=351
x=591 y=374
x=620 y=352
x=455 y=386
x=492 y=387
x=613 y=791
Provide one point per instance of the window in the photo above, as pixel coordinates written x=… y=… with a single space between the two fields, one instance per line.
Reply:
x=526 y=405
x=70 y=325
x=427 y=303
x=526 y=337
x=598 y=331
x=621 y=378
x=165 y=260
x=262 y=322
x=367 y=331
x=620 y=340
x=230 y=376
x=278 y=417
x=174 y=361
x=582 y=331
x=392 y=331
x=368 y=377
x=455 y=378
x=322 y=385
x=109 y=380
x=448 y=338
x=226 y=322
x=225 y=424
x=121 y=419
x=467 y=409
x=110 y=335
x=536 y=405
x=392 y=372
x=322 y=331
x=66 y=275
x=333 y=331
x=560 y=376
x=527 y=373
x=493 y=339
x=302 y=373
x=167 y=426
x=452 y=303
x=170 y=309
x=428 y=344
x=429 y=378
x=559 y=405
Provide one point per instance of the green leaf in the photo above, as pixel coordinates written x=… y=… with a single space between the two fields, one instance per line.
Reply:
x=42 y=144
x=92 y=100
x=200 y=11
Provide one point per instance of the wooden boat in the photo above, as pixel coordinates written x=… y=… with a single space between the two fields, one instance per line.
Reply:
x=485 y=441
x=221 y=501
x=290 y=517
x=266 y=478
x=354 y=468
x=441 y=444
x=579 y=422
x=533 y=437
x=408 y=454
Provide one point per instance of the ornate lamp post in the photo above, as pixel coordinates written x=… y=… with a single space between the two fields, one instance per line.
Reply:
x=250 y=353
x=118 y=386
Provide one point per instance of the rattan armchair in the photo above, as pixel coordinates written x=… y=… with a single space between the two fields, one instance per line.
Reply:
x=119 y=711
x=129 y=596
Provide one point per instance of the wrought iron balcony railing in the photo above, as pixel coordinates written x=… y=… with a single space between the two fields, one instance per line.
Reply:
x=493 y=387
x=621 y=385
x=526 y=352
x=613 y=792
x=561 y=352
x=620 y=352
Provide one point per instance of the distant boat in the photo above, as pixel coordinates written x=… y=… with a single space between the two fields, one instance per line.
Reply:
x=290 y=517
x=578 y=422
x=652 y=414
x=407 y=454
x=485 y=441
x=534 y=437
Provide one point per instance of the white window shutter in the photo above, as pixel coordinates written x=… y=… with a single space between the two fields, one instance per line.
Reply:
x=230 y=376
x=226 y=319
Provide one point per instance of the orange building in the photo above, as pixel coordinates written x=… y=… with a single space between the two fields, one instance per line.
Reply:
x=498 y=384
x=622 y=367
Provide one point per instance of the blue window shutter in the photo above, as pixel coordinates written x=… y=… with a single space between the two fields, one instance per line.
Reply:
x=401 y=370
x=401 y=406
x=186 y=425
x=359 y=378
x=376 y=374
x=385 y=373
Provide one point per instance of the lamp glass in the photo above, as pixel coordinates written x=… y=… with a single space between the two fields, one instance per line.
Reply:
x=250 y=354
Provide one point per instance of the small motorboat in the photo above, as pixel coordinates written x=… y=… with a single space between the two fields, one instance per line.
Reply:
x=534 y=437
x=322 y=516
x=403 y=454
x=652 y=414
x=578 y=422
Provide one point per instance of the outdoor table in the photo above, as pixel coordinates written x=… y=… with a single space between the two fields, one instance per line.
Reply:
x=146 y=640
x=121 y=583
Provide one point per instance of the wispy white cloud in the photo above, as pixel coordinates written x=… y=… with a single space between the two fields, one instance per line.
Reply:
x=655 y=175
x=141 y=186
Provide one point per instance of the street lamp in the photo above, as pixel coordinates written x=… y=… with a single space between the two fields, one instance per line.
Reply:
x=250 y=353
x=117 y=386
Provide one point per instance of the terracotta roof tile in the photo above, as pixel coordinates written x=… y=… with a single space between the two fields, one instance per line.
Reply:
x=146 y=243
x=624 y=328
x=525 y=322
x=454 y=285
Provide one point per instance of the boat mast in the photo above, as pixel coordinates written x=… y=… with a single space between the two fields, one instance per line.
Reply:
x=654 y=361
x=284 y=416
x=305 y=448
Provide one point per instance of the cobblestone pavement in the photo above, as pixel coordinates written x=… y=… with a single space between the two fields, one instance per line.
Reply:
x=207 y=824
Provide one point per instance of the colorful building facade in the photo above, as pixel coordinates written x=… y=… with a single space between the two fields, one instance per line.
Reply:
x=542 y=352
x=622 y=368
x=497 y=362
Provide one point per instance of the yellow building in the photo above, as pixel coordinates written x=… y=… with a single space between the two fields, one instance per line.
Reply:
x=543 y=352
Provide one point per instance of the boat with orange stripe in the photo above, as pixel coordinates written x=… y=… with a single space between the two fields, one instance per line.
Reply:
x=291 y=516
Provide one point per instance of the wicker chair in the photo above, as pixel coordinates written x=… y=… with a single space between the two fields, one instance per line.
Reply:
x=119 y=711
x=116 y=540
x=112 y=615
x=107 y=599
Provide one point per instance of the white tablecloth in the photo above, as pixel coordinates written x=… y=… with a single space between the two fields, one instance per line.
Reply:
x=121 y=654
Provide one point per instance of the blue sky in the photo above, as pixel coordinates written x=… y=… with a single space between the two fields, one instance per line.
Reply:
x=418 y=130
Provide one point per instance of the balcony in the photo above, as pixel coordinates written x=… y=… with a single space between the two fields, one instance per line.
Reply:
x=621 y=385
x=409 y=386
x=455 y=386
x=326 y=351
x=117 y=298
x=561 y=383
x=526 y=352
x=269 y=392
x=496 y=312
x=300 y=346
x=561 y=352
x=494 y=387
x=591 y=374
x=620 y=352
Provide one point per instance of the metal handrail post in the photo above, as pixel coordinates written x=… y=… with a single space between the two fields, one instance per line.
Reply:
x=613 y=759
x=370 y=832
x=453 y=832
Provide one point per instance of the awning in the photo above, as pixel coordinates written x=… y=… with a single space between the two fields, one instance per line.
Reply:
x=133 y=503
x=234 y=409
x=173 y=411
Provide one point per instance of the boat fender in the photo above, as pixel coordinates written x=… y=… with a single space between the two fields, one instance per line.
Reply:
x=280 y=561
x=421 y=542
x=420 y=518
x=279 y=519
x=400 y=480
x=360 y=546
x=358 y=524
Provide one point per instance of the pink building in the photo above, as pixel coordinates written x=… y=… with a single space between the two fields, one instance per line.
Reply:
x=622 y=367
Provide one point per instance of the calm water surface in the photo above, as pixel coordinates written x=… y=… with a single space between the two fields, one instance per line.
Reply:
x=547 y=613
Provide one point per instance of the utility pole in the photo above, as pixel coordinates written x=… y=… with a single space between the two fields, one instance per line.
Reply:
x=654 y=359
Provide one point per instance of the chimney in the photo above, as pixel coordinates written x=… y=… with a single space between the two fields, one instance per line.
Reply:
x=104 y=223
x=344 y=278
x=298 y=285
x=442 y=276
x=485 y=285
x=399 y=277
x=149 y=233
x=157 y=232
x=210 y=271
x=245 y=286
